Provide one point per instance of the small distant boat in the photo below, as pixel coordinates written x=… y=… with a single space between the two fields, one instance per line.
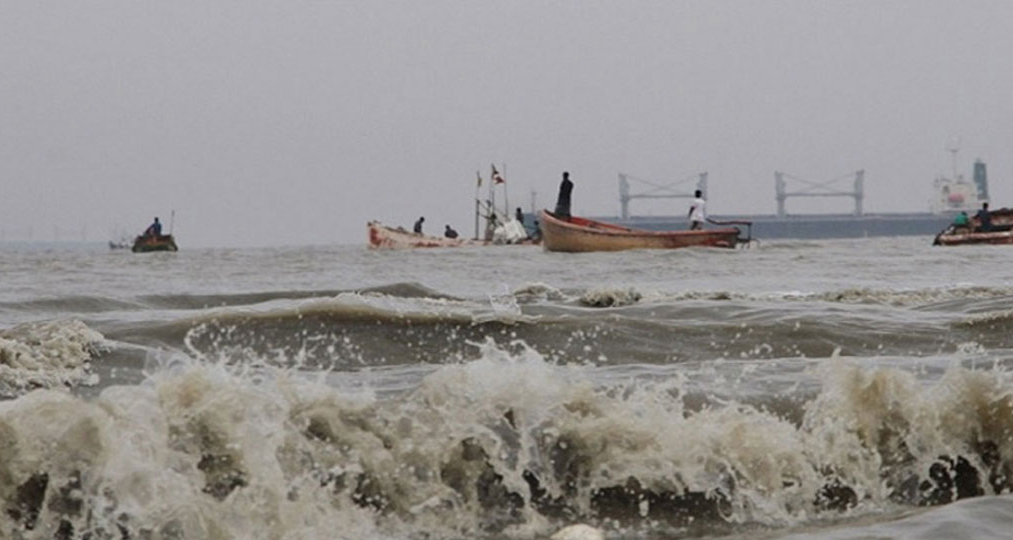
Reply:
x=122 y=244
x=578 y=234
x=146 y=243
x=1000 y=232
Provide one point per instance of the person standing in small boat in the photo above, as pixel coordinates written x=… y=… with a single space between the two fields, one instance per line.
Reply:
x=449 y=232
x=984 y=218
x=563 y=201
x=154 y=230
x=418 y=225
x=697 y=211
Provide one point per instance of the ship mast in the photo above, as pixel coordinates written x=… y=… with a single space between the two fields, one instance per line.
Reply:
x=953 y=147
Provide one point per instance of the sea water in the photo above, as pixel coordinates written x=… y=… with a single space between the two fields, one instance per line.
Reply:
x=838 y=389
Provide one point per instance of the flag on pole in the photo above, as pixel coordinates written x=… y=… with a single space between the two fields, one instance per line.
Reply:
x=479 y=175
x=497 y=177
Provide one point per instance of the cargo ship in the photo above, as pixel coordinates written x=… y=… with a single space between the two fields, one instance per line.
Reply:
x=952 y=195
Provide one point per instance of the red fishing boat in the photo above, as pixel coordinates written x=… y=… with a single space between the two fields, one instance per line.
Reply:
x=577 y=234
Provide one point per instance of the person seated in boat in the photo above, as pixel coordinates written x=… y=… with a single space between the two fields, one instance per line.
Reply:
x=984 y=218
x=418 y=225
x=961 y=223
x=154 y=230
x=563 y=201
x=697 y=211
x=449 y=232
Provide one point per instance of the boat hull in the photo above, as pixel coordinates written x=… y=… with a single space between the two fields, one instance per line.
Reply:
x=145 y=244
x=581 y=235
x=1002 y=237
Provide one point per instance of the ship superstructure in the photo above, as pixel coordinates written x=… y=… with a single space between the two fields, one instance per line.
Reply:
x=956 y=194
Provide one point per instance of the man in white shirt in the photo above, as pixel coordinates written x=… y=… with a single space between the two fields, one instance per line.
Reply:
x=697 y=211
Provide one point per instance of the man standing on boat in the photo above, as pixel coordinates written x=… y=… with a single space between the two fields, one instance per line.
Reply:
x=563 y=201
x=418 y=225
x=154 y=230
x=984 y=218
x=697 y=211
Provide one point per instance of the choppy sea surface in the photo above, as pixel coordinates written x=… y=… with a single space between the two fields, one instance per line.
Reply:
x=798 y=389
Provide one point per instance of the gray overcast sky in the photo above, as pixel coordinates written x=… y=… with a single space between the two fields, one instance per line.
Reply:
x=266 y=123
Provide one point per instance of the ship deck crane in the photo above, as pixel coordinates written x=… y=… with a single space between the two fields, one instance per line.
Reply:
x=657 y=190
x=819 y=189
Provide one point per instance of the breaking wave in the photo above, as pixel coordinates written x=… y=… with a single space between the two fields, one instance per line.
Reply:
x=508 y=443
x=352 y=329
x=99 y=304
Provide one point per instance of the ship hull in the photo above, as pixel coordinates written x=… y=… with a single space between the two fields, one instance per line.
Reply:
x=812 y=226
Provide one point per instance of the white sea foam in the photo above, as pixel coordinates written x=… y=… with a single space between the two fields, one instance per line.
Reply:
x=538 y=291
x=47 y=354
x=578 y=532
x=610 y=296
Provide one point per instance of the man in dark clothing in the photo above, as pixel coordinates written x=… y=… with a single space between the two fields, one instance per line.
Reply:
x=449 y=232
x=519 y=216
x=984 y=218
x=155 y=229
x=563 y=202
x=418 y=225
